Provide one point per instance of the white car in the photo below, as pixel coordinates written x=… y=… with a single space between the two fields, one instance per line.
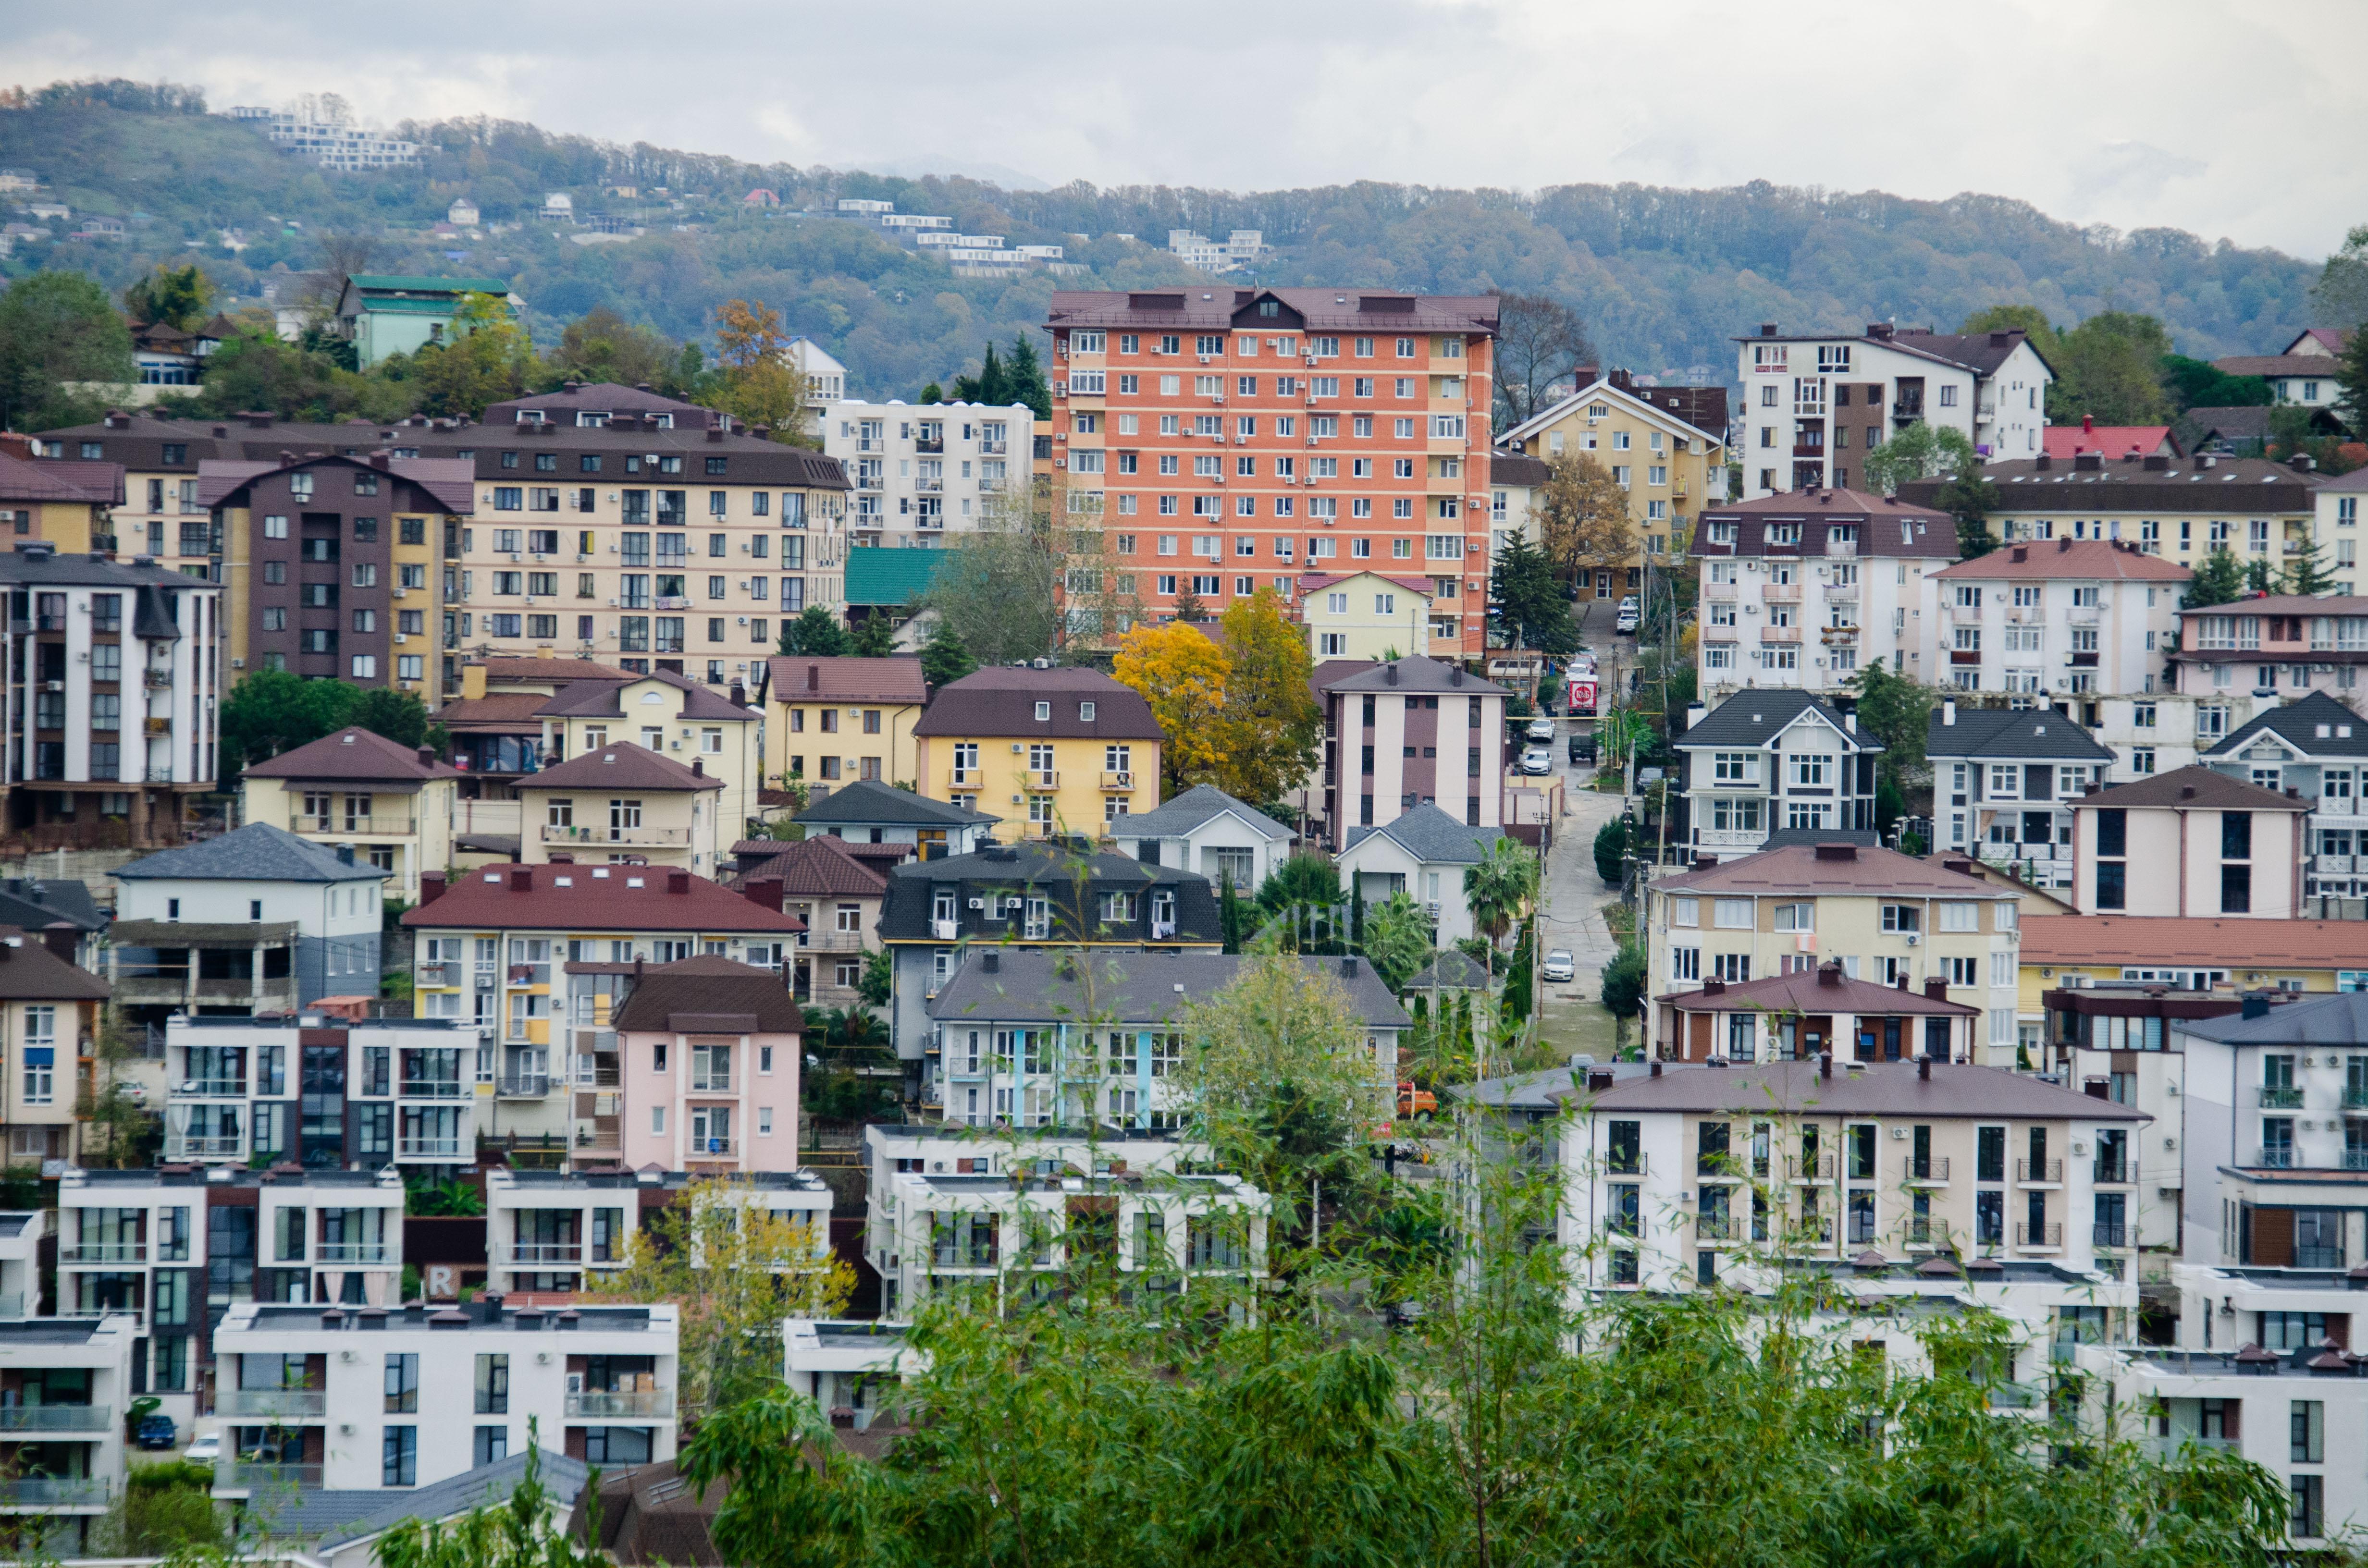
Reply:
x=1537 y=759
x=204 y=1448
x=1560 y=965
x=1624 y=620
x=1542 y=728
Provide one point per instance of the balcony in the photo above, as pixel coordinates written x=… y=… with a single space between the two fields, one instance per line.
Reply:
x=377 y=1253
x=1782 y=593
x=542 y=1255
x=105 y=1252
x=2113 y=1236
x=209 y=1089
x=244 y=1477
x=1618 y=1162
x=655 y=836
x=1048 y=778
x=1927 y=1234
x=437 y=1089
x=965 y=778
x=1117 y=781
x=523 y=1085
x=55 y=1417
x=929 y=444
x=385 y=827
x=2276 y=1160
x=429 y=1148
x=2337 y=865
x=273 y=1404
x=714 y=1149
x=2044 y=1237
x=157 y=680
x=182 y=1146
x=48 y=1492
x=2281 y=1097
x=1715 y=1228
x=1928 y=1171
x=1719 y=592
x=1965 y=657
x=2039 y=1172
x=944 y=929
x=1819 y=1168
x=1780 y=634
x=2081 y=661
x=2173 y=1444
x=432 y=975
x=595 y=1404
x=2115 y=1173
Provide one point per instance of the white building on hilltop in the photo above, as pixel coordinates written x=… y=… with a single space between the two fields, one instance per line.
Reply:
x=318 y=130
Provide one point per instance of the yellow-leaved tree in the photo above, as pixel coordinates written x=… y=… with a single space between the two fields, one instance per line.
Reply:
x=760 y=386
x=1583 y=518
x=1182 y=674
x=1273 y=729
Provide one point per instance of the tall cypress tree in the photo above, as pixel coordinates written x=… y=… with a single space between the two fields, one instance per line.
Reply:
x=1229 y=913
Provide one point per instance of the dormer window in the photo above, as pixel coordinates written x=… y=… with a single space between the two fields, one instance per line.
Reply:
x=1085 y=712
x=1043 y=713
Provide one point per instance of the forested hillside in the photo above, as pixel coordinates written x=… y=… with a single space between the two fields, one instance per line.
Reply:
x=1662 y=277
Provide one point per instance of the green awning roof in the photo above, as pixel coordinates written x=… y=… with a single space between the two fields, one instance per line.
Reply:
x=891 y=577
x=388 y=281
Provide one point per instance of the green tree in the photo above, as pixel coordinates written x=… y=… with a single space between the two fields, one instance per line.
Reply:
x=400 y=716
x=1611 y=850
x=988 y=386
x=601 y=345
x=1970 y=499
x=1921 y=451
x=2114 y=361
x=997 y=591
x=486 y=358
x=2340 y=298
x=269 y=711
x=1024 y=378
x=1535 y=602
x=1541 y=343
x=522 y=1530
x=1499 y=889
x=944 y=659
x=2198 y=383
x=877 y=986
x=1396 y=940
x=2218 y=580
x=1897 y=712
x=1623 y=982
x=875 y=637
x=817 y=631
x=932 y=393
x=170 y=296
x=1229 y=913
x=1302 y=897
x=2351 y=375
x=1189 y=610
x=56 y=328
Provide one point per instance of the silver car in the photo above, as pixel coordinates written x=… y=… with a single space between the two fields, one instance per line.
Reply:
x=1537 y=759
x=1542 y=728
x=1560 y=965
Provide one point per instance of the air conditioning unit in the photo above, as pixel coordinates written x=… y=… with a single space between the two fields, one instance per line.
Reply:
x=744 y=621
x=1206 y=357
x=514 y=557
x=238 y=664
x=400 y=639
x=1015 y=799
x=613 y=604
x=1016 y=748
x=1913 y=939
x=1241 y=440
x=978 y=904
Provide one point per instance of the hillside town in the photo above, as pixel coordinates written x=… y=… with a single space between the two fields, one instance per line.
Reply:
x=814 y=898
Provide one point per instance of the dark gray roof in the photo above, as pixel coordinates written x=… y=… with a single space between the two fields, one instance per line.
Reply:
x=1786 y=838
x=1052 y=872
x=1418 y=673
x=39 y=569
x=2341 y=1019
x=2040 y=733
x=2299 y=721
x=1189 y=811
x=1037 y=985
x=868 y=801
x=1547 y=1088
x=33 y=903
x=256 y=853
x=331 y=1518
x=1894 y=1088
x=1450 y=969
x=1431 y=836
x=1755 y=718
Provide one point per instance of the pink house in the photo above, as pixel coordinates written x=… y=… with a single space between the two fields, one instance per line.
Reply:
x=707 y=1056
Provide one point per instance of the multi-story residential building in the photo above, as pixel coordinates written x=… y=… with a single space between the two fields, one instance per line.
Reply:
x=2259 y=511
x=873 y=702
x=820 y=881
x=2273 y=642
x=1309 y=414
x=319 y=1091
x=1815 y=407
x=1208 y=831
x=1422 y=853
x=1032 y=1039
x=435 y=1391
x=923 y=470
x=68 y=505
x=1368 y=616
x=877 y=812
x=536 y=957
x=976 y=1218
x=393 y=806
x=850 y=1365
x=1801 y=589
x=498 y=730
x=1736 y=1175
x=22 y=1231
x=255 y=877
x=707 y=1056
x=1396 y=733
x=1073 y=746
x=822 y=376
x=671 y=716
x=623 y=804
x=96 y=652
x=1670 y=467
x=2190 y=842
x=2082 y=619
x=2319 y=747
x=69 y=1385
x=2003 y=784
x=332 y=563
x=1514 y=480
x=553 y=1230
x=1029 y=894
x=48 y=1007
x=1888 y=918
x=2335 y=528
x=59 y=914
x=171 y=1248
x=1800 y=1014
x=1767 y=762
x=2307 y=371
x=384 y=315
x=592 y=406
x=333 y=143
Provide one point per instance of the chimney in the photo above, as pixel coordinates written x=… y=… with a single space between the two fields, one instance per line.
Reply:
x=2043 y=462
x=1455 y=674
x=715 y=433
x=698 y=767
x=990 y=963
x=677 y=882
x=2000 y=339
x=521 y=879
x=1713 y=988
x=427 y=756
x=2187 y=792
x=1348 y=969
x=2021 y=554
x=765 y=892
x=1825 y=1065
x=1881 y=331
x=431 y=887
x=2088 y=422
x=737 y=694
x=1598 y=1082
x=2089 y=462
x=1903 y=980
x=2302 y=463
x=2157 y=462
x=1849 y=723
x=2064 y=544
x=1768 y=329
x=2096 y=1088
x=1696 y=712
x=813 y=677
x=1947 y=712
x=1837 y=851
x=1830 y=975
x=1390 y=674
x=1657 y=1067
x=1924 y=1065
x=1936 y=989
x=2256 y=1006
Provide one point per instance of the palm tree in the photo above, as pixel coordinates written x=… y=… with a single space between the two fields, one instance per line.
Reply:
x=1497 y=889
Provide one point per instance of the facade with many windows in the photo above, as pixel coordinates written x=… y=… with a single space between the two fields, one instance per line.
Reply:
x=1065 y=751
x=1771 y=762
x=2077 y=620
x=2003 y=781
x=2191 y=842
x=2273 y=645
x=2317 y=747
x=920 y=471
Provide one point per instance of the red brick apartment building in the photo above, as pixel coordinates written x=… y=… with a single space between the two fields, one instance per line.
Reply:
x=1239 y=437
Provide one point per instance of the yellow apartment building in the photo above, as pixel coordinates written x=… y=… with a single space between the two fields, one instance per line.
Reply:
x=391 y=805
x=621 y=802
x=1366 y=615
x=1061 y=750
x=2204 y=954
x=671 y=716
x=70 y=503
x=830 y=720
x=1671 y=466
x=49 y=1020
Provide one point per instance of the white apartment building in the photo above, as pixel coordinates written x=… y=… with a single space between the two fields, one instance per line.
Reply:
x=233 y=891
x=2003 y=780
x=320 y=1091
x=2336 y=528
x=922 y=469
x=21 y=1233
x=851 y=1369
x=820 y=375
x=375 y=1399
x=1196 y=249
x=1800 y=589
x=1813 y=407
x=983 y=1215
x=1772 y=762
x=2319 y=747
x=111 y=678
x=69 y=1384
x=169 y=1249
x=327 y=139
x=555 y=1231
x=2079 y=618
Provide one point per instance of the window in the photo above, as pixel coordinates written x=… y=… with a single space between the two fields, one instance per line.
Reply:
x=493 y=1385
x=403 y=1383
x=399 y=1455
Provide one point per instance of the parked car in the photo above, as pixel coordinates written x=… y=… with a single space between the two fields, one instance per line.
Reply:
x=1537 y=759
x=1560 y=965
x=1624 y=619
x=1582 y=746
x=204 y=1448
x=1414 y=1104
x=1542 y=728
x=155 y=1430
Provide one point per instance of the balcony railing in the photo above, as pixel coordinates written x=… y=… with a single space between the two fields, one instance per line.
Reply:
x=278 y=1405
x=182 y=1146
x=1620 y=1164
x=429 y=1148
x=210 y=1090
x=12 y=1306
x=256 y=1475
x=712 y=1083
x=2276 y=1160
x=1928 y=1169
x=55 y=1417
x=1715 y=1228
x=1820 y=1168
x=2355 y=1159
x=2038 y=1171
x=1117 y=780
x=354 y=1252
x=437 y=1089
x=384 y=827
x=714 y=1149
x=595 y=1404
x=2171 y=1446
x=2038 y=1235
x=2280 y=1098
x=523 y=1085
x=104 y=1251
x=555 y=833
x=2115 y=1173
x=2111 y=1236
x=440 y=974
x=52 y=1492
x=542 y=1255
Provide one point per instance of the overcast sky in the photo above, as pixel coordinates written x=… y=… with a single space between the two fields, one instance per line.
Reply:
x=2225 y=117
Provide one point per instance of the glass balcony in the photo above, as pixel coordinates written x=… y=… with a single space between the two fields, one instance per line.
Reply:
x=597 y=1404
x=54 y=1417
x=276 y=1404
x=52 y=1492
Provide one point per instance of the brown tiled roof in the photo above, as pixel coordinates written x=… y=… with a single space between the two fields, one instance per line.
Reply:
x=593 y=898
x=1415 y=673
x=30 y=973
x=447 y=483
x=497 y=710
x=351 y=754
x=621 y=764
x=1516 y=467
x=821 y=867
x=1887 y=526
x=1810 y=869
x=2317 y=365
x=2253 y=485
x=551 y=669
x=2159 y=940
x=61 y=479
x=712 y=989
x=2197 y=787
x=1806 y=991
x=1214 y=305
x=604 y=698
x=894 y=679
x=2083 y=558
x=1883 y=1088
x=1000 y=701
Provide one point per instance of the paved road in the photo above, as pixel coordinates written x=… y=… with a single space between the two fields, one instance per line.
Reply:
x=1571 y=915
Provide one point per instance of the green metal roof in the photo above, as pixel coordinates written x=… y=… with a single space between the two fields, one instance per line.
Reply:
x=437 y=308
x=388 y=281
x=894 y=577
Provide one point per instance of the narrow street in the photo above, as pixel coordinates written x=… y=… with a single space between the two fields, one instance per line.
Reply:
x=1573 y=897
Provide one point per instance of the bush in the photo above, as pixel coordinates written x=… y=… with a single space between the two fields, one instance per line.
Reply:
x=1611 y=845
x=1623 y=983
